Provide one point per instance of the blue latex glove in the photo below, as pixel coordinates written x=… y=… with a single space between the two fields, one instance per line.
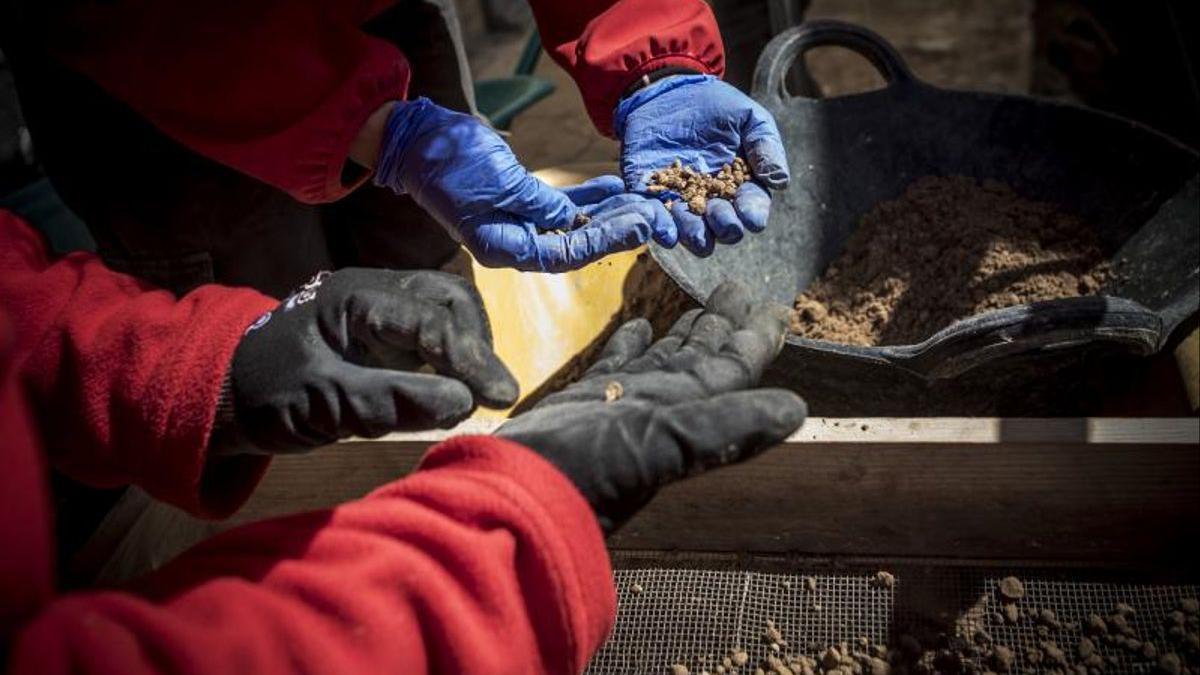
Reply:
x=703 y=122
x=619 y=221
x=465 y=175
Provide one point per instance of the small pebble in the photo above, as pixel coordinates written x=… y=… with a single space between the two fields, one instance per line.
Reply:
x=1095 y=625
x=1002 y=659
x=1054 y=653
x=1011 y=588
x=1118 y=623
x=1170 y=664
x=1049 y=618
x=877 y=666
x=1086 y=648
x=1011 y=613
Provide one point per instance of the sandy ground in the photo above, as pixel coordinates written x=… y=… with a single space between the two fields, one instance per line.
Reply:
x=959 y=44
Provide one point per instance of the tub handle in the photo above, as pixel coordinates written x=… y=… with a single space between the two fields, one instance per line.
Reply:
x=787 y=47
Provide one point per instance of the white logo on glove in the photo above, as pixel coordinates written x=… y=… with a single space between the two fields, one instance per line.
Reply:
x=306 y=292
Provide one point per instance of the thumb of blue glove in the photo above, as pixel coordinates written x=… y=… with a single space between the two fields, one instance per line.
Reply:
x=616 y=221
x=464 y=175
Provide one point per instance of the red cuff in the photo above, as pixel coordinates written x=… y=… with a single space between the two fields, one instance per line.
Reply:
x=123 y=379
x=190 y=386
x=566 y=542
x=610 y=49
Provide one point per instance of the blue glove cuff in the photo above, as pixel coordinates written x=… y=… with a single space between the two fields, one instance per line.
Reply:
x=627 y=105
x=401 y=127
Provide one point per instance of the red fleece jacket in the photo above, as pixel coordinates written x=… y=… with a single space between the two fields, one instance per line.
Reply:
x=278 y=89
x=486 y=560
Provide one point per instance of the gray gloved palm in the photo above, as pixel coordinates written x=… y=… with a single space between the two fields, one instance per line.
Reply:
x=646 y=415
x=336 y=357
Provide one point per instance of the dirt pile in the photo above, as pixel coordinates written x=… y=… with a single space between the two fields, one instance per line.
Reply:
x=948 y=248
x=696 y=187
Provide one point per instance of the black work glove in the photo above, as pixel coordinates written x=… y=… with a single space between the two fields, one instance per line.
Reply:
x=336 y=357
x=646 y=415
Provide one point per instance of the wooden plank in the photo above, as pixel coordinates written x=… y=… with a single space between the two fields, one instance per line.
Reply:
x=1035 y=501
x=958 y=430
x=1118 y=489
x=1054 y=488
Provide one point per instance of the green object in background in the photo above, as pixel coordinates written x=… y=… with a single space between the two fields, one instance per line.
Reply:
x=502 y=99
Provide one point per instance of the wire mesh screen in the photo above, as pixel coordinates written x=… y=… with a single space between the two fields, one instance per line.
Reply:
x=920 y=619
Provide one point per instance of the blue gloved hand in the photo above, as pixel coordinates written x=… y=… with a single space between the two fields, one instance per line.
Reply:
x=466 y=176
x=616 y=221
x=705 y=123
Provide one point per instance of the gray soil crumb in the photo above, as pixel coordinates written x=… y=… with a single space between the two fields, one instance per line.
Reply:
x=1011 y=613
x=582 y=219
x=695 y=187
x=1011 y=588
x=1170 y=664
x=948 y=248
x=1086 y=648
x=1002 y=659
x=883 y=579
x=1096 y=625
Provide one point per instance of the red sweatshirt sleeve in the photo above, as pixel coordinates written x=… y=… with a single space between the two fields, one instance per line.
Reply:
x=607 y=44
x=276 y=89
x=486 y=560
x=124 y=379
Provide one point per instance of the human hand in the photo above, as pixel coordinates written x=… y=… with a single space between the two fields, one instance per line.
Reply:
x=646 y=415
x=612 y=220
x=336 y=358
x=467 y=177
x=704 y=123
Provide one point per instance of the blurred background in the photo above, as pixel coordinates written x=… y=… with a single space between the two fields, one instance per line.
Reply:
x=1136 y=59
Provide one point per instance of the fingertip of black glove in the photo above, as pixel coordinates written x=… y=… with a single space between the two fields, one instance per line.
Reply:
x=770 y=319
x=732 y=300
x=501 y=392
x=784 y=412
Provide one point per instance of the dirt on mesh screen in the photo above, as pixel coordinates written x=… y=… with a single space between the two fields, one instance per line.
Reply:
x=948 y=248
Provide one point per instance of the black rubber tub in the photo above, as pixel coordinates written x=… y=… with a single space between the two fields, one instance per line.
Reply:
x=1138 y=187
